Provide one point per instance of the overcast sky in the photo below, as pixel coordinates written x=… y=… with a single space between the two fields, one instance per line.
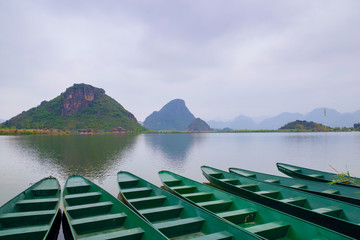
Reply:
x=224 y=58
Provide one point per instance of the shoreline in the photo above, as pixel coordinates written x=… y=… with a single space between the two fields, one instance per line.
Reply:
x=22 y=132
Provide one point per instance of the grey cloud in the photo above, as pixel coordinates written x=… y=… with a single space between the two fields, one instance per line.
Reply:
x=224 y=58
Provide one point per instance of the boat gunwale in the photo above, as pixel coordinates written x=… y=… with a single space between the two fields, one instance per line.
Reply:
x=341 y=188
x=328 y=176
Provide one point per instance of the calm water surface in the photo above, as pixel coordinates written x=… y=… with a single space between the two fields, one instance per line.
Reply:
x=27 y=159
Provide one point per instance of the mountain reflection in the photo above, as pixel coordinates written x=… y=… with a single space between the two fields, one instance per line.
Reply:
x=87 y=155
x=174 y=146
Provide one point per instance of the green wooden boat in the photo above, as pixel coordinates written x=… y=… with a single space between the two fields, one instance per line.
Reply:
x=91 y=213
x=256 y=218
x=330 y=213
x=173 y=216
x=34 y=213
x=311 y=174
x=335 y=191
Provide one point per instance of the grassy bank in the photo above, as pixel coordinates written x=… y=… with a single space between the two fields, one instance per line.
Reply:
x=8 y=131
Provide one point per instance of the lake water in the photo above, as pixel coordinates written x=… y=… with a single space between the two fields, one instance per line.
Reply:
x=27 y=159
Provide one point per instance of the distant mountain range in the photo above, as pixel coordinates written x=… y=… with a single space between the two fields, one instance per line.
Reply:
x=81 y=106
x=326 y=116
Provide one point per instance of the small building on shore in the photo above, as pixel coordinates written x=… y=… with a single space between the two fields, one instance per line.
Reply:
x=87 y=131
x=118 y=129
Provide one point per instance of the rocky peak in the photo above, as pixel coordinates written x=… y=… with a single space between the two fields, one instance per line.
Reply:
x=175 y=105
x=78 y=97
x=173 y=116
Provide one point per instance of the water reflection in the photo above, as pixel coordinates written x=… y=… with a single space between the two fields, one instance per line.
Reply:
x=26 y=159
x=305 y=138
x=89 y=156
x=175 y=147
x=321 y=149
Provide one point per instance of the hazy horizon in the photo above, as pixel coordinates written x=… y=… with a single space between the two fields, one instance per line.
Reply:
x=257 y=119
x=223 y=58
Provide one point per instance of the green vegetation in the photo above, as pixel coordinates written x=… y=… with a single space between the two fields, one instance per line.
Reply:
x=344 y=178
x=14 y=131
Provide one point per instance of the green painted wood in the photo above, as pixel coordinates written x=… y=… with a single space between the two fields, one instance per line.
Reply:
x=180 y=227
x=92 y=213
x=311 y=174
x=161 y=213
x=257 y=218
x=33 y=213
x=289 y=200
x=28 y=232
x=148 y=202
x=82 y=198
x=339 y=192
x=37 y=204
x=216 y=236
x=271 y=230
x=173 y=216
x=214 y=205
x=131 y=234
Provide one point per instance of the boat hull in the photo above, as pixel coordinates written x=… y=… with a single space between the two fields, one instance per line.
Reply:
x=265 y=221
x=173 y=216
x=91 y=213
x=33 y=214
x=330 y=213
